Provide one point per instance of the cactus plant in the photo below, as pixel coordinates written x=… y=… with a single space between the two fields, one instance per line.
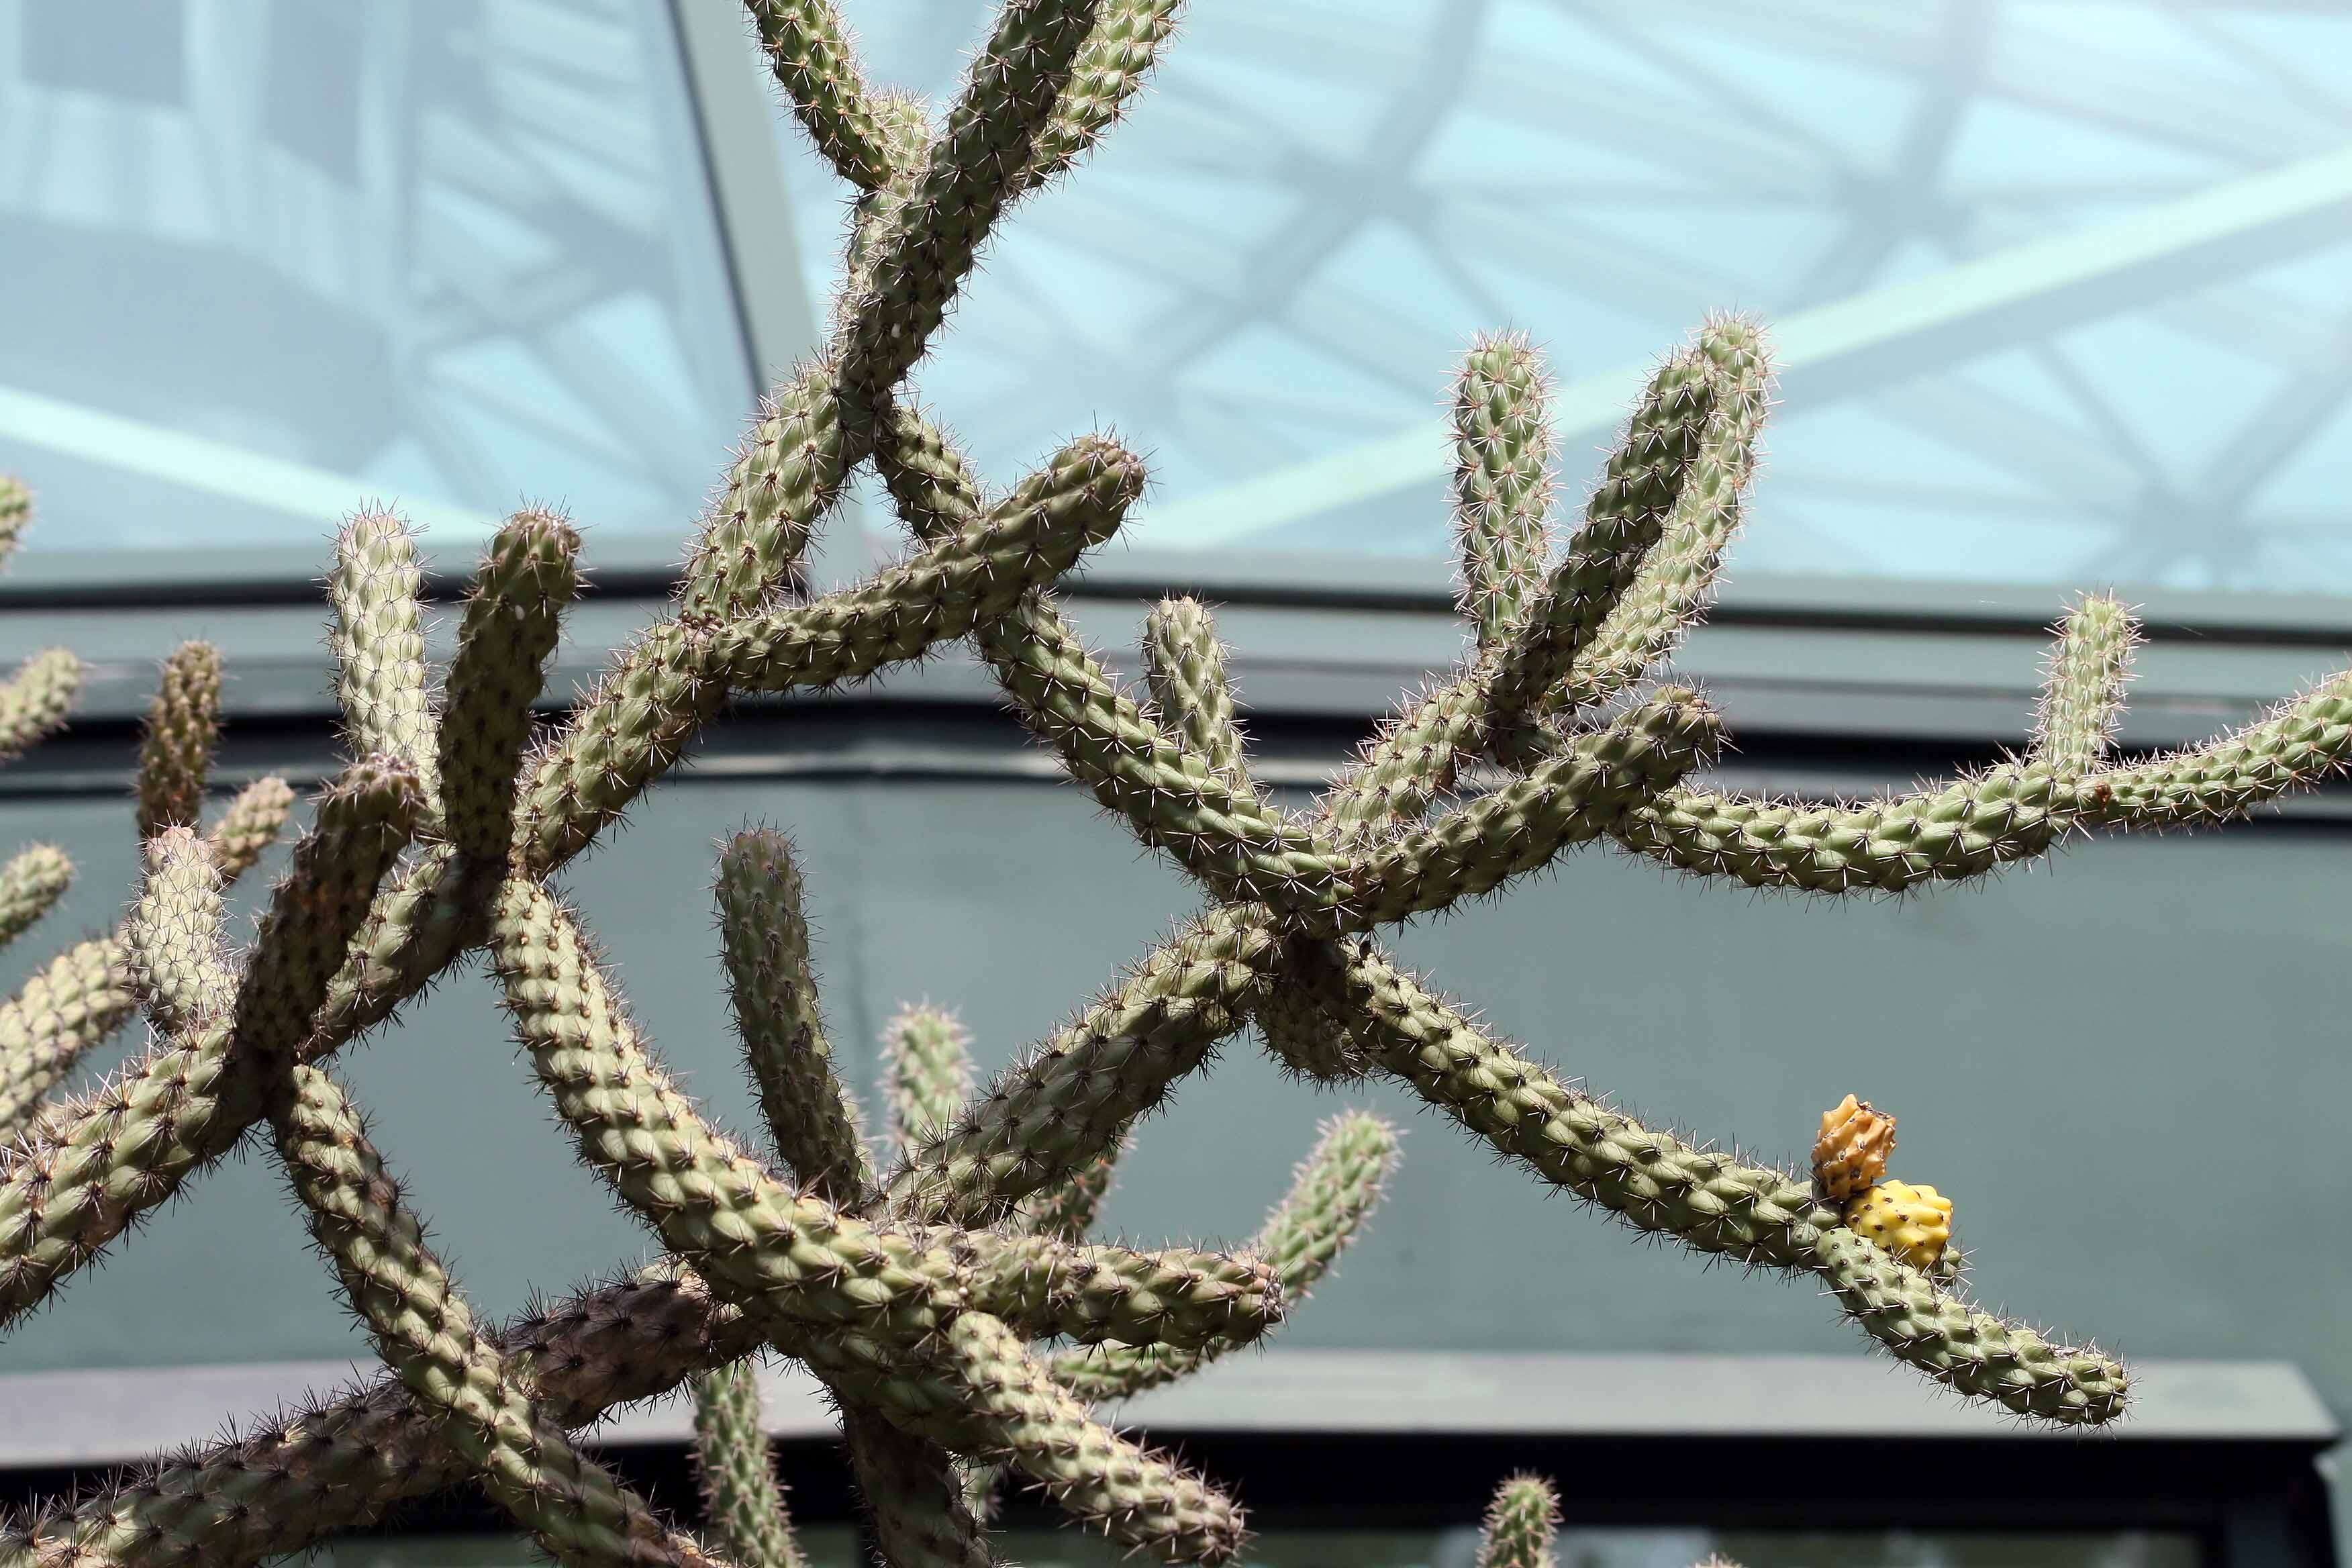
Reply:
x=917 y=1282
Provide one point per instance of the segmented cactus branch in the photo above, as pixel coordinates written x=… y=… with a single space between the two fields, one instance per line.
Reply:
x=765 y=933
x=2082 y=685
x=1332 y=1194
x=15 y=514
x=816 y=64
x=935 y=236
x=926 y=1073
x=175 y=754
x=508 y=634
x=580 y=1514
x=29 y=884
x=1184 y=666
x=175 y=952
x=742 y=1501
x=378 y=646
x=36 y=700
x=1502 y=484
x=1522 y=1525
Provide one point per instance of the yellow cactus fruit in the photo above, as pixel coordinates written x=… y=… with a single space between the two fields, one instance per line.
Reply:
x=1913 y=1223
x=1852 y=1150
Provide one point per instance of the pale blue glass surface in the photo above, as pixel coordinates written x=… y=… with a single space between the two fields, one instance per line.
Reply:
x=1277 y=260
x=267 y=260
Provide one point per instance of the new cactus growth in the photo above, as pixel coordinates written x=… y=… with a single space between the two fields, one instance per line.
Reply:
x=920 y=1282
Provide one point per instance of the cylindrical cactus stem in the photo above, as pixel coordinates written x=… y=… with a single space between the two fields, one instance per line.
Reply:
x=84 y=1173
x=1332 y=1194
x=815 y=63
x=743 y=1510
x=1414 y=757
x=1176 y=1297
x=363 y=821
x=1184 y=668
x=1076 y=1094
x=795 y=1256
x=1308 y=1037
x=15 y=514
x=378 y=640
x=921 y=262
x=905 y=120
x=1068 y=1208
x=30 y=885
x=1964 y=829
x=172 y=940
x=1981 y=1355
x=511 y=621
x=1502 y=483
x=786 y=475
x=2297 y=745
x=580 y=1514
x=1169 y=793
x=956 y=584
x=249 y=826
x=1112 y=67
x=36 y=699
x=1139 y=1498
x=657 y=692
x=342 y=1462
x=2082 y=684
x=915 y=1496
x=1706 y=1199
x=60 y=1013
x=75 y=1004
x=1624 y=518
x=1678 y=574
x=175 y=752
x=1522 y=1525
x=926 y=1073
x=808 y=1110
x=1584 y=790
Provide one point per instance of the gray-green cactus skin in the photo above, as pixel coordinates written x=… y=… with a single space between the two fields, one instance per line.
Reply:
x=921 y=1282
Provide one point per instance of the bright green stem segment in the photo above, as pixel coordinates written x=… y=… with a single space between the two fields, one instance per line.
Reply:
x=1502 y=484
x=1628 y=512
x=378 y=647
x=2082 y=685
x=935 y=238
x=1678 y=574
x=926 y=1073
x=815 y=63
x=175 y=754
x=177 y=955
x=29 y=884
x=765 y=938
x=1331 y=1196
x=36 y=700
x=511 y=621
x=578 y=1510
x=1521 y=1526
x=1185 y=666
x=742 y=1501
x=15 y=514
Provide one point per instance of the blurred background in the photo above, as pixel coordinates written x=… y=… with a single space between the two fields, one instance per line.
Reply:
x=2062 y=297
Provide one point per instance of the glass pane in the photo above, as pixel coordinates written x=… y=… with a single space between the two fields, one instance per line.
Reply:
x=2064 y=291
x=268 y=261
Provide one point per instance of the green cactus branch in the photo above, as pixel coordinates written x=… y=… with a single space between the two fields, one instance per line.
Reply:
x=1522 y=1525
x=175 y=752
x=742 y=1501
x=35 y=701
x=926 y=1074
